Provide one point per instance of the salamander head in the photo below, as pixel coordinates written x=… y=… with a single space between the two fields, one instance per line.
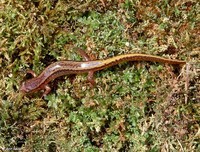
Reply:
x=24 y=88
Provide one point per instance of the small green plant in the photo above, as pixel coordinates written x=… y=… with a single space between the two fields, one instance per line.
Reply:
x=135 y=106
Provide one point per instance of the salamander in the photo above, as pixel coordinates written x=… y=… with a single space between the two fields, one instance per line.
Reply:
x=61 y=68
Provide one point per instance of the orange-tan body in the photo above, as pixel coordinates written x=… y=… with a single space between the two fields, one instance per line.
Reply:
x=61 y=68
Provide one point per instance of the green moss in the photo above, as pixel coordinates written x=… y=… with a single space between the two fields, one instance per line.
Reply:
x=135 y=106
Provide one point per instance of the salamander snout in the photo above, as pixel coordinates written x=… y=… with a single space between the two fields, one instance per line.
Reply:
x=23 y=88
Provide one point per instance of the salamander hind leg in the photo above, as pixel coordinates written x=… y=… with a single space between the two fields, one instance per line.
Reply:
x=84 y=55
x=90 y=77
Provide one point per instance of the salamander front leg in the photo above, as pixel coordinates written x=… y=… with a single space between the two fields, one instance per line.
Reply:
x=32 y=73
x=47 y=90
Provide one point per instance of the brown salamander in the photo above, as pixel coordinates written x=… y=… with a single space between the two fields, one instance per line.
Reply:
x=61 y=68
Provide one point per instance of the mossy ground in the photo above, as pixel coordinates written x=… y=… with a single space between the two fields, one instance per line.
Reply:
x=135 y=106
